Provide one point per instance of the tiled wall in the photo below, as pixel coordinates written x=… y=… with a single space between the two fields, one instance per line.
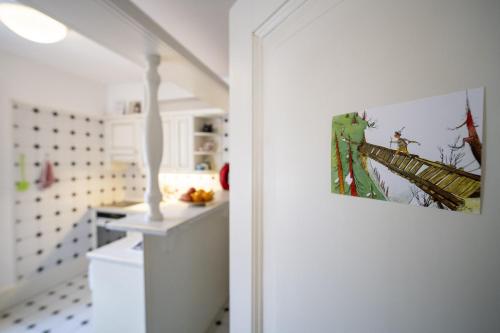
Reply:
x=174 y=184
x=131 y=180
x=225 y=139
x=53 y=226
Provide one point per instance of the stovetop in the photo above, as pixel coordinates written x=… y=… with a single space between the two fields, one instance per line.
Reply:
x=122 y=204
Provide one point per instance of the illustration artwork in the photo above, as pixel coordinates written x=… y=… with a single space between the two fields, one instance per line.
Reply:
x=424 y=153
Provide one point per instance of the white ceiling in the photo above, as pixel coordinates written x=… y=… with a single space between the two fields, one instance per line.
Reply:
x=76 y=55
x=202 y=26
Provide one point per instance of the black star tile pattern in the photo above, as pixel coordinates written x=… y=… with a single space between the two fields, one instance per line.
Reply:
x=52 y=226
x=48 y=312
x=225 y=139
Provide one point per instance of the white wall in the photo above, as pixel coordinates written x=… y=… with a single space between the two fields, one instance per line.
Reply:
x=119 y=95
x=29 y=82
x=340 y=264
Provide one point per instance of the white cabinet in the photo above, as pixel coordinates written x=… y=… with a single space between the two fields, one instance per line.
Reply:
x=207 y=145
x=116 y=278
x=167 y=161
x=183 y=140
x=184 y=136
x=177 y=143
x=123 y=139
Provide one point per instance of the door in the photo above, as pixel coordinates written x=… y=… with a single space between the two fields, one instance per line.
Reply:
x=307 y=260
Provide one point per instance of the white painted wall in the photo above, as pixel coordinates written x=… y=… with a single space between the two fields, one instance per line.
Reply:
x=340 y=264
x=29 y=82
x=119 y=95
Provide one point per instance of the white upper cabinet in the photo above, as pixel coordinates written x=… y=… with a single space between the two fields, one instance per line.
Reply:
x=184 y=142
x=184 y=136
x=177 y=144
x=167 y=161
x=122 y=137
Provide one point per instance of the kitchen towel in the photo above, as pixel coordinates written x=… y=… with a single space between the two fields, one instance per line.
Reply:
x=46 y=178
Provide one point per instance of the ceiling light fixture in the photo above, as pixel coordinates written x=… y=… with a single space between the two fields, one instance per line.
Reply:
x=32 y=24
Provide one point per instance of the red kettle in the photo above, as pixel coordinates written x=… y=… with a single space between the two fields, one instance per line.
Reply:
x=224 y=176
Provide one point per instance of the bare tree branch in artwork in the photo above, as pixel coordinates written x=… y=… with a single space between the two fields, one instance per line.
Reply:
x=422 y=198
x=454 y=156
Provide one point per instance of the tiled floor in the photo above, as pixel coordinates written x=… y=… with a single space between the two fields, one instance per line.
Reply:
x=63 y=309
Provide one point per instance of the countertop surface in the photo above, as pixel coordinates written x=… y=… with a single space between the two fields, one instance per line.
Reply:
x=175 y=213
x=120 y=251
x=138 y=208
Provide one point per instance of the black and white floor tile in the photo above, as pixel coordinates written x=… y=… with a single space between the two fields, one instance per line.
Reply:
x=66 y=308
x=63 y=309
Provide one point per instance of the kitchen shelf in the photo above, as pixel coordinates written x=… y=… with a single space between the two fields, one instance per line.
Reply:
x=209 y=153
x=213 y=140
x=207 y=134
x=205 y=172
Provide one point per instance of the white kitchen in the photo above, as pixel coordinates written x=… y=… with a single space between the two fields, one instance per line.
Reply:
x=115 y=171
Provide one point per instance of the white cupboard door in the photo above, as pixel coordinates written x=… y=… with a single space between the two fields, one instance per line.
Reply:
x=183 y=137
x=177 y=144
x=168 y=145
x=141 y=155
x=121 y=138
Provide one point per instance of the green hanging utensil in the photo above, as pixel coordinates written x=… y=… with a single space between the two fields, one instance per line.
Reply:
x=22 y=185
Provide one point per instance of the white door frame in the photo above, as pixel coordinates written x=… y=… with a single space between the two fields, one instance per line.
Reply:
x=259 y=32
x=259 y=35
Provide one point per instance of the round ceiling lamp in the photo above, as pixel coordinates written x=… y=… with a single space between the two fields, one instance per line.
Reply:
x=32 y=24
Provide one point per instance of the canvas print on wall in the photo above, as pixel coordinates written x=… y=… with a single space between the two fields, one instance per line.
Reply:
x=424 y=153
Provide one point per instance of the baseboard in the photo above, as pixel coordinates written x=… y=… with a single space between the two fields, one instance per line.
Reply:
x=26 y=289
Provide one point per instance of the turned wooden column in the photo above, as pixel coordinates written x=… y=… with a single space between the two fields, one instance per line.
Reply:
x=153 y=140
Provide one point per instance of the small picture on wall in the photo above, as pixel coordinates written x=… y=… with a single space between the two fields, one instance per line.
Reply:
x=134 y=107
x=423 y=153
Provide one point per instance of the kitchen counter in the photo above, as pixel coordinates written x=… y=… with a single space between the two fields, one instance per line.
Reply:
x=182 y=272
x=137 y=209
x=116 y=278
x=121 y=251
x=175 y=213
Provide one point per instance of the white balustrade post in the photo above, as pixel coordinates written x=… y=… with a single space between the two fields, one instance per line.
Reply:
x=153 y=139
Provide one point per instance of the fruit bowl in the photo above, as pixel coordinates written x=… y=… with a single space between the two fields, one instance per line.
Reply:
x=197 y=204
x=196 y=197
